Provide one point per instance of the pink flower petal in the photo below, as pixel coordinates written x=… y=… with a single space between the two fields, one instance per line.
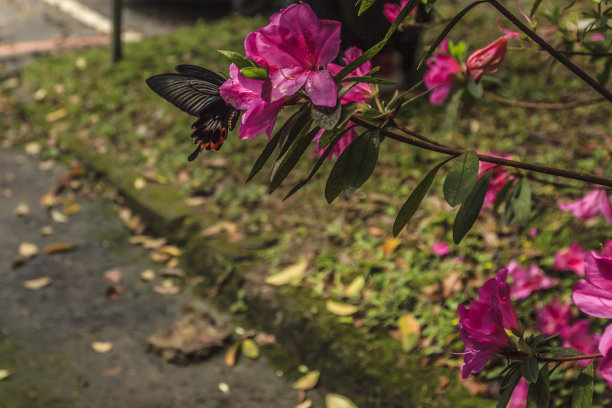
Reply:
x=321 y=88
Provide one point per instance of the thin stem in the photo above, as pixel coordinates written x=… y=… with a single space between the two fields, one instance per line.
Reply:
x=563 y=359
x=548 y=48
x=541 y=105
x=538 y=168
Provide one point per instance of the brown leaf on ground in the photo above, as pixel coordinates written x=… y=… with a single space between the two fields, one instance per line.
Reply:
x=289 y=274
x=48 y=200
x=341 y=309
x=58 y=217
x=139 y=183
x=159 y=257
x=59 y=247
x=28 y=250
x=167 y=288
x=410 y=331
x=195 y=336
x=474 y=386
x=176 y=272
x=390 y=245
x=22 y=210
x=38 y=283
x=264 y=339
x=113 y=276
x=102 y=346
x=71 y=209
x=223 y=226
x=195 y=201
x=147 y=275
x=452 y=283
x=113 y=371
x=170 y=250
x=308 y=381
x=46 y=230
x=231 y=354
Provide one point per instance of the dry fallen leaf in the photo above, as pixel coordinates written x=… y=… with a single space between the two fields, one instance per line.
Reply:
x=4 y=374
x=390 y=244
x=113 y=371
x=36 y=284
x=307 y=382
x=341 y=309
x=230 y=355
x=293 y=272
x=28 y=249
x=33 y=148
x=46 y=230
x=147 y=275
x=102 y=346
x=265 y=339
x=56 y=115
x=140 y=183
x=410 y=331
x=113 y=276
x=59 y=247
x=452 y=283
x=220 y=227
x=250 y=349
x=224 y=388
x=355 y=287
x=176 y=272
x=338 y=401
x=167 y=287
x=48 y=200
x=71 y=209
x=195 y=201
x=170 y=250
x=57 y=216
x=159 y=257
x=307 y=403
x=22 y=209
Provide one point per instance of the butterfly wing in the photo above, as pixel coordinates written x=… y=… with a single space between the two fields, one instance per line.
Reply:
x=195 y=90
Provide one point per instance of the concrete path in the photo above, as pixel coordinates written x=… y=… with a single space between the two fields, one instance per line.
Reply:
x=46 y=334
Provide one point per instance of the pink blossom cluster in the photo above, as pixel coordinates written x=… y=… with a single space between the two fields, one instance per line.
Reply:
x=594 y=203
x=392 y=10
x=499 y=178
x=526 y=281
x=483 y=325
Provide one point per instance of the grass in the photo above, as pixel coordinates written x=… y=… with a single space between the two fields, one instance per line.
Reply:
x=108 y=107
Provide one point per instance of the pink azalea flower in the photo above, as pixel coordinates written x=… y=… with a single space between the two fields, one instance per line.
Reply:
x=527 y=281
x=519 y=395
x=441 y=74
x=595 y=202
x=570 y=259
x=440 y=248
x=245 y=94
x=482 y=326
x=597 y=37
x=554 y=317
x=299 y=46
x=499 y=178
x=487 y=60
x=359 y=93
x=577 y=336
x=605 y=348
x=392 y=10
x=593 y=295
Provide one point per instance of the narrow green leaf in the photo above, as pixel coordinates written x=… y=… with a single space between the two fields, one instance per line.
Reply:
x=446 y=30
x=509 y=383
x=318 y=164
x=476 y=89
x=369 y=80
x=469 y=210
x=530 y=369
x=333 y=186
x=239 y=60
x=522 y=203
x=583 y=388
x=501 y=195
x=365 y=4
x=254 y=72
x=346 y=114
x=362 y=159
x=415 y=198
x=461 y=178
x=324 y=117
x=534 y=8
x=538 y=395
x=563 y=351
x=294 y=153
x=273 y=143
x=376 y=47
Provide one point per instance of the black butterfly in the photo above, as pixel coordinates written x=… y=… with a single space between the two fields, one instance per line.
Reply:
x=195 y=90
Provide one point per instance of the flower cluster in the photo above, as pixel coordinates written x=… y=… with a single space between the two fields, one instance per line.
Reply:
x=594 y=203
x=483 y=325
x=392 y=10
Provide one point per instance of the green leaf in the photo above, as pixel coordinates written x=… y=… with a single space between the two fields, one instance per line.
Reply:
x=239 y=60
x=530 y=369
x=354 y=166
x=325 y=117
x=501 y=195
x=254 y=72
x=583 y=388
x=345 y=115
x=297 y=149
x=274 y=141
x=369 y=80
x=534 y=8
x=562 y=351
x=378 y=46
x=539 y=393
x=365 y=4
x=461 y=178
x=446 y=30
x=475 y=89
x=521 y=205
x=468 y=213
x=415 y=198
x=508 y=385
x=318 y=164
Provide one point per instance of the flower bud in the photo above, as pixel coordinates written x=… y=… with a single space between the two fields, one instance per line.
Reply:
x=486 y=60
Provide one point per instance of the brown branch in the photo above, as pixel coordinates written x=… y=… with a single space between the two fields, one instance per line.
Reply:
x=554 y=53
x=541 y=105
x=563 y=359
x=538 y=168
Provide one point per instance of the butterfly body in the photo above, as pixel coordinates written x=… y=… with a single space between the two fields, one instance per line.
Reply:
x=195 y=90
